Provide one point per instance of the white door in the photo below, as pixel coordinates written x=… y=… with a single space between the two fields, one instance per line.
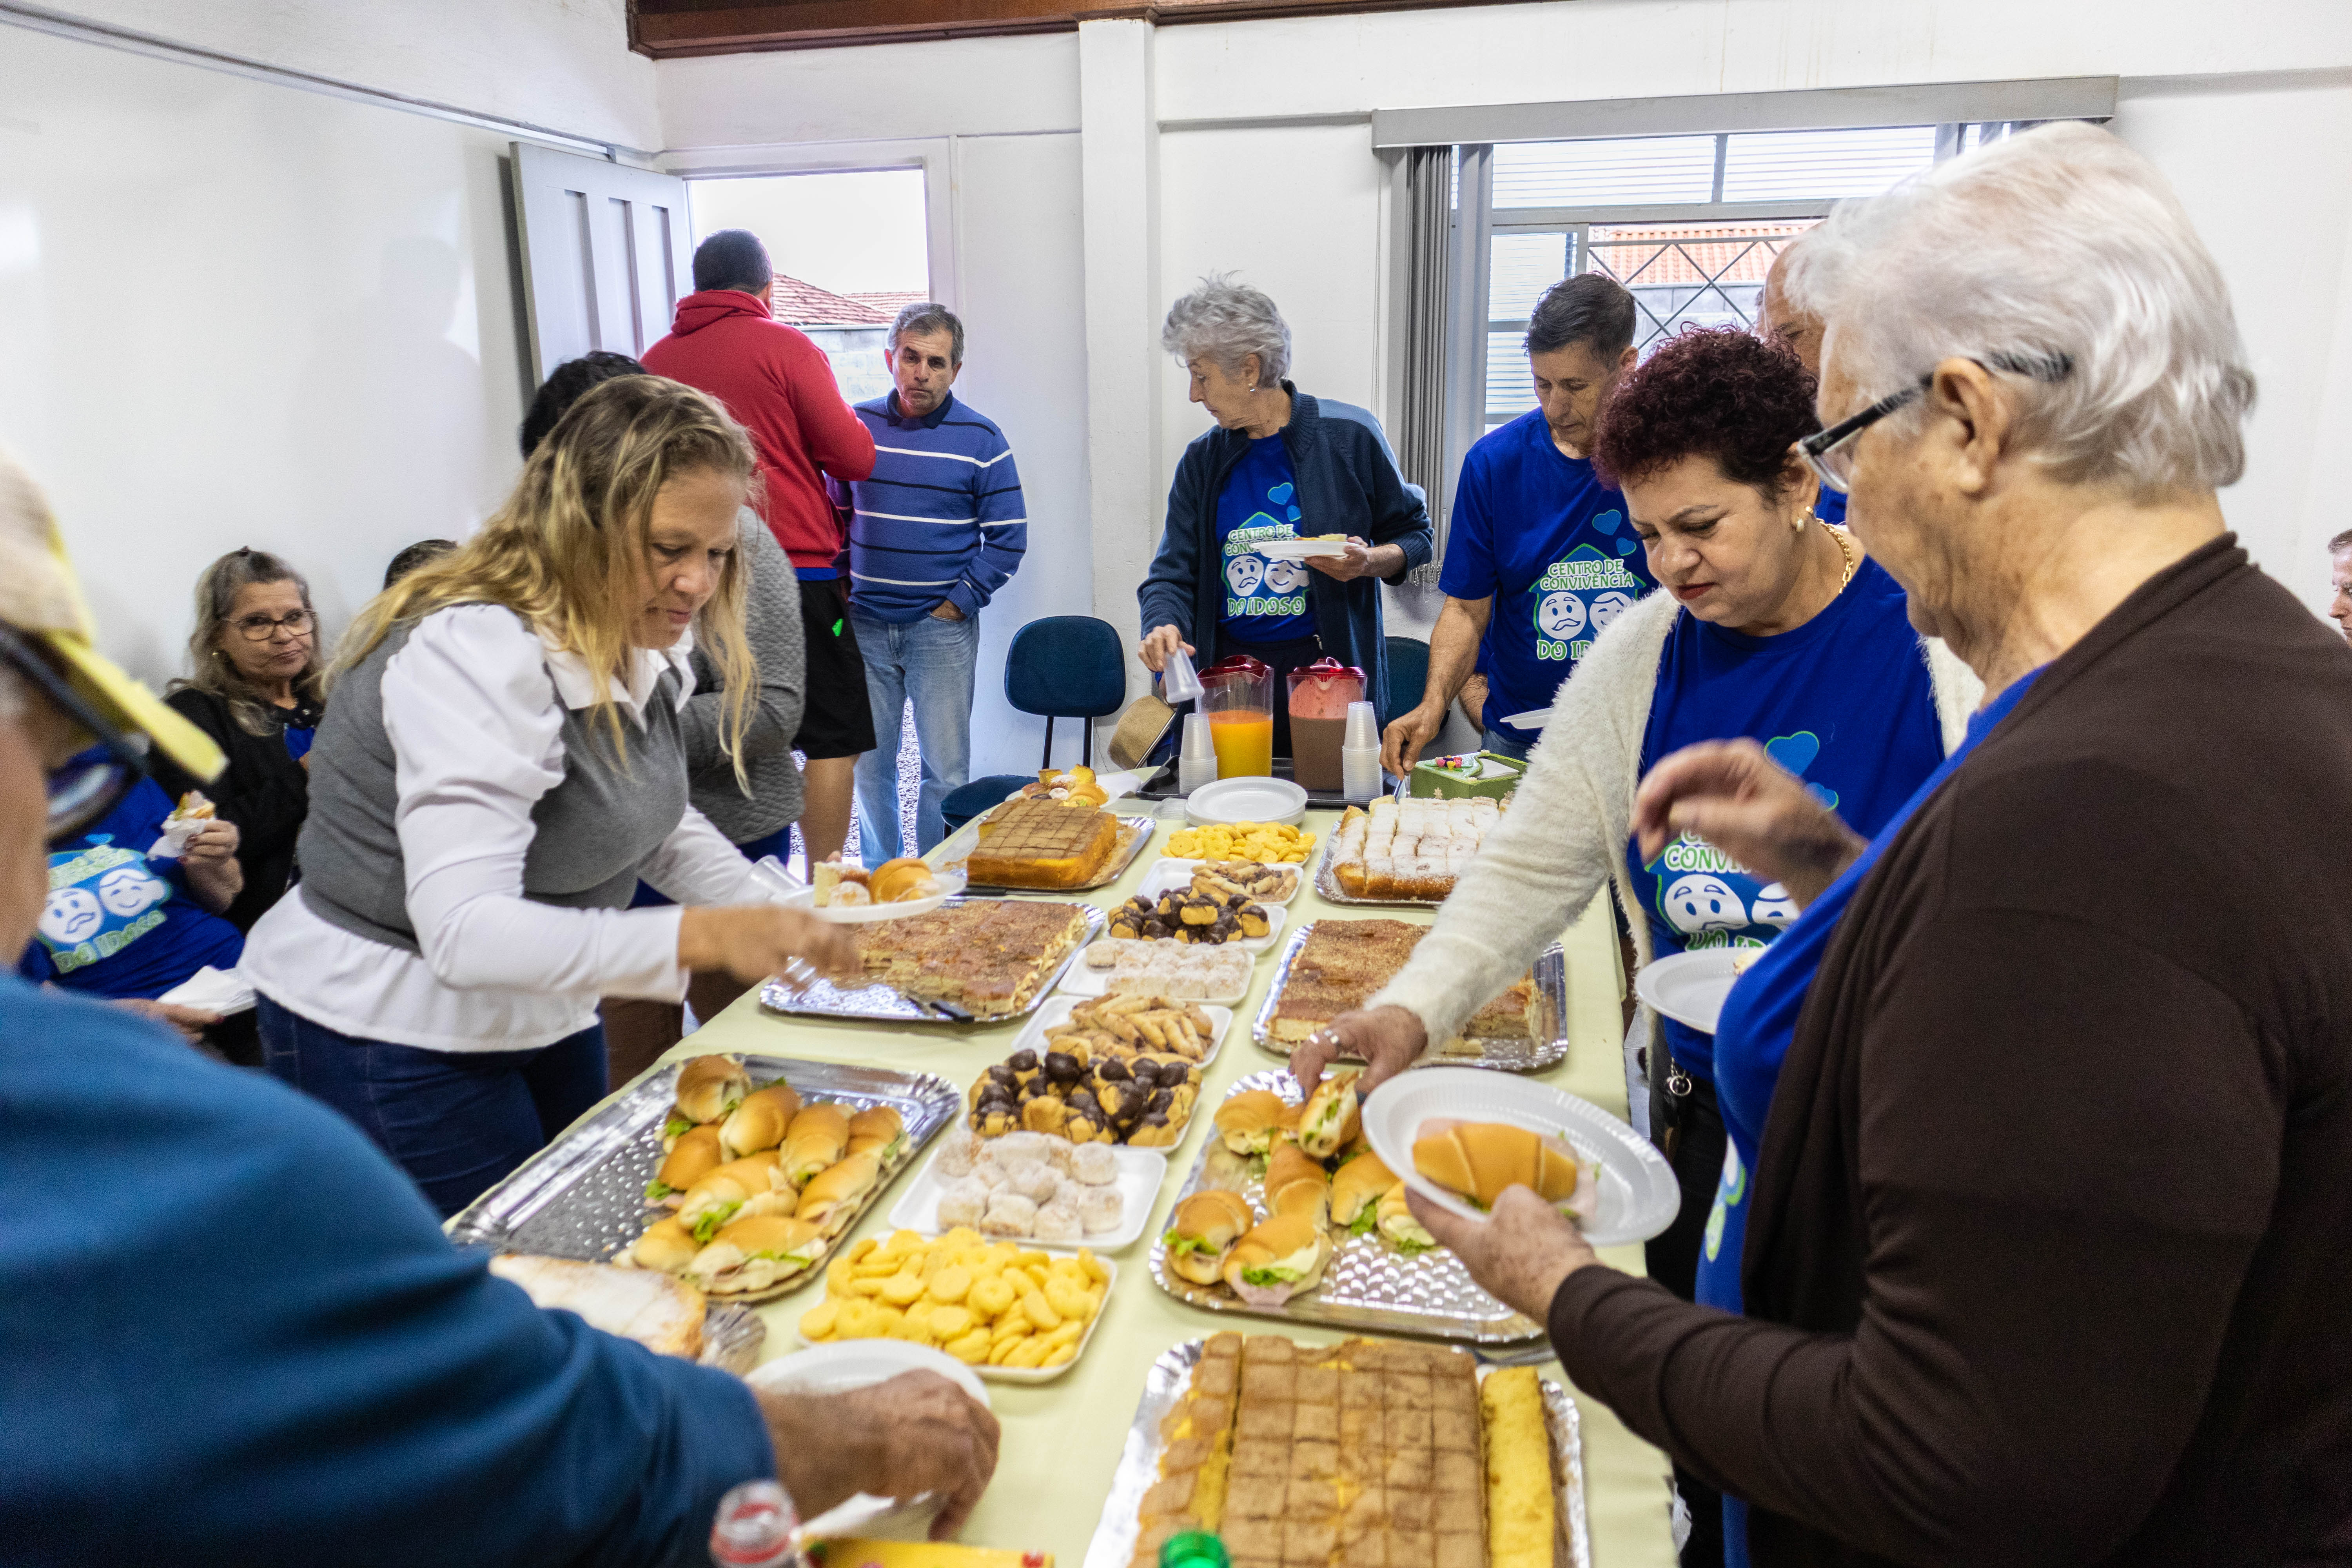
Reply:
x=605 y=253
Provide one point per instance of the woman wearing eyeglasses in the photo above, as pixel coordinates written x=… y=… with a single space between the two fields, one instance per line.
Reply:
x=254 y=688
x=1767 y=623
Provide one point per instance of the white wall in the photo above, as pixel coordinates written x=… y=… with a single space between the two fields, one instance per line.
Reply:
x=560 y=65
x=239 y=313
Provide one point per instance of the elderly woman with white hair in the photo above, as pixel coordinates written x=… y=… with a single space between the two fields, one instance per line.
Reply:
x=2046 y=1257
x=1279 y=465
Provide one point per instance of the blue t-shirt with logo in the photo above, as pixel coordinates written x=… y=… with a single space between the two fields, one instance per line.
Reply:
x=1537 y=531
x=1266 y=600
x=1842 y=701
x=117 y=923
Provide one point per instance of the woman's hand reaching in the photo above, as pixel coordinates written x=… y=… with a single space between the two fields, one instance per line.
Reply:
x=1734 y=796
x=753 y=942
x=1158 y=644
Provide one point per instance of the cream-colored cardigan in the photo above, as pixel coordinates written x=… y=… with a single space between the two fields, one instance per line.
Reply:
x=1566 y=830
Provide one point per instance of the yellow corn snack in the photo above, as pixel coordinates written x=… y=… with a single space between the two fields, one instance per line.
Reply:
x=984 y=1303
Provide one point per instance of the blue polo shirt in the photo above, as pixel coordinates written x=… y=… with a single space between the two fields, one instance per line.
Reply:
x=117 y=923
x=234 y=1333
x=1537 y=531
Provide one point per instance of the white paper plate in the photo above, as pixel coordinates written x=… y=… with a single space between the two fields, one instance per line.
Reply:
x=1299 y=549
x=1165 y=875
x=1533 y=719
x=1691 y=987
x=1057 y=1009
x=997 y=1374
x=1250 y=799
x=1140 y=1172
x=1079 y=980
x=1277 y=916
x=1639 y=1196
x=845 y=1364
x=951 y=883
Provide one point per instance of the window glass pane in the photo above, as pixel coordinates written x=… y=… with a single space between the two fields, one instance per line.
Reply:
x=1821 y=165
x=1689 y=274
x=1509 y=391
x=1579 y=174
x=1524 y=266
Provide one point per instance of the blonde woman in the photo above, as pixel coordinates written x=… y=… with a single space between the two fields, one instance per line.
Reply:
x=255 y=687
x=501 y=764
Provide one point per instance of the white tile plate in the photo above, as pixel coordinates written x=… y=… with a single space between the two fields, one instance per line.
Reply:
x=1020 y=1373
x=1140 y=1172
x=1166 y=875
x=1079 y=980
x=1692 y=987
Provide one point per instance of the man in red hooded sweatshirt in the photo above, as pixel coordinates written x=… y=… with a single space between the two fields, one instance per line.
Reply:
x=780 y=386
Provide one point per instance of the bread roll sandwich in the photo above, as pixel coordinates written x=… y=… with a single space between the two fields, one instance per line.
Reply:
x=1357 y=1188
x=666 y=1246
x=881 y=1130
x=1278 y=1260
x=1202 y=1232
x=659 y=1313
x=753 y=1254
x=693 y=1156
x=835 y=1192
x=1397 y=1225
x=1478 y=1159
x=754 y=1184
x=759 y=1122
x=1247 y=1120
x=1295 y=1185
x=1330 y=1116
x=710 y=1087
x=818 y=1136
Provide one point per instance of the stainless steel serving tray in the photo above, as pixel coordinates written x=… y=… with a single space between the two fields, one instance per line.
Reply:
x=823 y=999
x=1328 y=885
x=583 y=1196
x=959 y=845
x=1138 y=1465
x=1366 y=1285
x=1507 y=1056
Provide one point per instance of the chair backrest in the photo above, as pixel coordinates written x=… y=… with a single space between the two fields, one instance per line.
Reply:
x=1066 y=667
x=1408 y=675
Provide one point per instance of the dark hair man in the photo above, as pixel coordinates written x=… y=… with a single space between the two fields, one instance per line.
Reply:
x=1539 y=555
x=780 y=386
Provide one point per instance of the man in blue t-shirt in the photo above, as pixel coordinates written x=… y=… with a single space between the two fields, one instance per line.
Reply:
x=1539 y=556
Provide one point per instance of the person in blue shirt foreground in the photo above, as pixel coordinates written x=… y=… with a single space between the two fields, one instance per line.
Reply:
x=1540 y=558
x=1768 y=625
x=249 y=1342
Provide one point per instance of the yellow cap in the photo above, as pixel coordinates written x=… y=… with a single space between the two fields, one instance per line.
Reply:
x=40 y=597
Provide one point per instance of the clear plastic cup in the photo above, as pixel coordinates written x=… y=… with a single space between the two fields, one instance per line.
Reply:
x=1179 y=681
x=1363 y=729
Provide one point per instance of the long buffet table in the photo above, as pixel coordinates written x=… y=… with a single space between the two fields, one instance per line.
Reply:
x=1062 y=1439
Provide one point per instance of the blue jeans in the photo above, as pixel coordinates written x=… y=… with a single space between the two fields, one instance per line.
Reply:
x=930 y=662
x=1502 y=746
x=457 y=1121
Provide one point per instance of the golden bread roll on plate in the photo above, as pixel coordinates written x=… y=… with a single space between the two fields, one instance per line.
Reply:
x=759 y=1122
x=753 y=1254
x=1479 y=1159
x=1332 y=1116
x=1278 y=1259
x=818 y=1137
x=1296 y=1185
x=1202 y=1230
x=835 y=1191
x=710 y=1086
x=1247 y=1120
x=667 y=1246
x=1355 y=1187
x=695 y=1155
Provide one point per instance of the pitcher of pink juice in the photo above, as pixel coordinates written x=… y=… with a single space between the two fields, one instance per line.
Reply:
x=1319 y=695
x=1237 y=694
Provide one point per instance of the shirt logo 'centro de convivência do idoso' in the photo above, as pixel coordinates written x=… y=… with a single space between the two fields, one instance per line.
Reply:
x=1256 y=585
x=1576 y=597
x=1705 y=897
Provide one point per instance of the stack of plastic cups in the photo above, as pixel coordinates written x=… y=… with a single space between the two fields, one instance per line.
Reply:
x=1179 y=681
x=1196 y=764
x=1359 y=754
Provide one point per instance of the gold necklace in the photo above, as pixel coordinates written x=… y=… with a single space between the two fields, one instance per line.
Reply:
x=1845 y=553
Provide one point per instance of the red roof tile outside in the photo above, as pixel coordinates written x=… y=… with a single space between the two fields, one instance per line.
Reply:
x=889 y=301
x=1689 y=254
x=806 y=305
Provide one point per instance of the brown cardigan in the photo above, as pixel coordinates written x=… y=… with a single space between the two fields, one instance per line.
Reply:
x=2051 y=1259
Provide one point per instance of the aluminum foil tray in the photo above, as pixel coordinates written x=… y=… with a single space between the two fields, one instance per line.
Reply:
x=1134 y=832
x=583 y=1196
x=1365 y=1286
x=1506 y=1055
x=731 y=1338
x=1328 y=885
x=1138 y=1465
x=823 y=999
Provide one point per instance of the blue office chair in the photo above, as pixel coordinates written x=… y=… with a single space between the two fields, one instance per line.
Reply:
x=1408 y=675
x=969 y=800
x=1066 y=667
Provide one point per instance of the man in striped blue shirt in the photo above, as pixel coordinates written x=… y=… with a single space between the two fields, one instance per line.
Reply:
x=934 y=532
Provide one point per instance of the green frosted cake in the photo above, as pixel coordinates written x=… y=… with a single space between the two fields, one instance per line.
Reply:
x=1489 y=773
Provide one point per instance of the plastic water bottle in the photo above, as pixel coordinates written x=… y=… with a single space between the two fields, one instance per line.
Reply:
x=753 y=1528
x=1194 y=1549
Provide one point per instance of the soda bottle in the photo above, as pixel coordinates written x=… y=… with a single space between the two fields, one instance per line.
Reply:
x=753 y=1528
x=1194 y=1549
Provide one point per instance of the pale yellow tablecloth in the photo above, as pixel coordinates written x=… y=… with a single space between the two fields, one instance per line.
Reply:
x=1062 y=1439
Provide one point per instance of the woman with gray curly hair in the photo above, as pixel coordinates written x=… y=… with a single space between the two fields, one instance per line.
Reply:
x=1280 y=464
x=2043 y=1253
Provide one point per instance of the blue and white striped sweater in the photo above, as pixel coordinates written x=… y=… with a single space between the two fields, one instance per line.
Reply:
x=941 y=516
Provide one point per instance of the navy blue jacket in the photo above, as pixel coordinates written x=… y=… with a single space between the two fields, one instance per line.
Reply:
x=1347 y=483
x=232 y=1333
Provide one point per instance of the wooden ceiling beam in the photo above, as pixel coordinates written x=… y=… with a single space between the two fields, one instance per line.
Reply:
x=672 y=29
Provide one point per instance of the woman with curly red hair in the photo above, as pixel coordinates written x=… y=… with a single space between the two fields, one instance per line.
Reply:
x=1769 y=624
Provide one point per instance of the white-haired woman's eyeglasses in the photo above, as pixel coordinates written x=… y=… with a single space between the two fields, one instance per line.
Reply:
x=1830 y=453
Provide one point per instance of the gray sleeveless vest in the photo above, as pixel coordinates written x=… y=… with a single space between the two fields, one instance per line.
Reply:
x=591 y=832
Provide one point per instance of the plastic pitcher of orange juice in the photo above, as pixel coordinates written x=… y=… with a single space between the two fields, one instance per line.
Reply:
x=1237 y=694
